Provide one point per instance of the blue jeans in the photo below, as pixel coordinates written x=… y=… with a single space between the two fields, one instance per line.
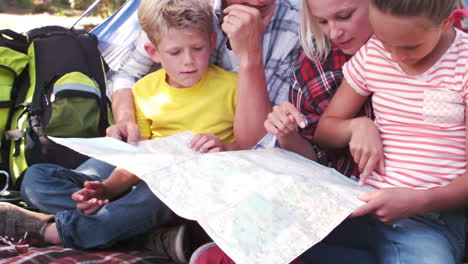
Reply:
x=49 y=188
x=432 y=238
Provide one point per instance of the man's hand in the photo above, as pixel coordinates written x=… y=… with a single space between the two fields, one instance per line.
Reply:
x=206 y=143
x=91 y=198
x=125 y=131
x=245 y=27
x=390 y=205
x=284 y=119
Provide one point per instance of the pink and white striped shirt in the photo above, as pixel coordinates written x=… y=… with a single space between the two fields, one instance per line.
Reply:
x=421 y=118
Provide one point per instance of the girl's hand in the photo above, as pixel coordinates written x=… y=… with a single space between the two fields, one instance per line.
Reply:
x=366 y=147
x=284 y=119
x=206 y=143
x=390 y=205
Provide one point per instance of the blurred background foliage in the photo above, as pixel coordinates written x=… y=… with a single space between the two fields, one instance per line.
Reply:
x=63 y=7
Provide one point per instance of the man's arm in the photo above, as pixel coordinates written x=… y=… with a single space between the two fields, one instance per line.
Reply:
x=245 y=28
x=253 y=104
x=134 y=66
x=123 y=108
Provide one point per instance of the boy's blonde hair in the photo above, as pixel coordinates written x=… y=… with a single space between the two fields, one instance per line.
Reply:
x=159 y=16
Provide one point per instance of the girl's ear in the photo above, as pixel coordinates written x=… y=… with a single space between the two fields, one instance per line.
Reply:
x=448 y=22
x=152 y=52
x=213 y=42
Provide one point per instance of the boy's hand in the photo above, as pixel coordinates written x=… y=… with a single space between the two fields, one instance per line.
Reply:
x=91 y=198
x=284 y=119
x=390 y=205
x=125 y=131
x=366 y=147
x=206 y=143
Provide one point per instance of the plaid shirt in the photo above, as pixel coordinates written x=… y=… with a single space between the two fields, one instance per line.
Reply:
x=280 y=42
x=313 y=87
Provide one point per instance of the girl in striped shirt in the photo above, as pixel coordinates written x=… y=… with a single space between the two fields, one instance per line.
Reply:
x=414 y=153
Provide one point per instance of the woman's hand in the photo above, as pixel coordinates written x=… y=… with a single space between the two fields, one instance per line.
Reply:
x=284 y=119
x=206 y=143
x=366 y=147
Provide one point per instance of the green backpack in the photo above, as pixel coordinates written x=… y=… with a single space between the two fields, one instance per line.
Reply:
x=61 y=93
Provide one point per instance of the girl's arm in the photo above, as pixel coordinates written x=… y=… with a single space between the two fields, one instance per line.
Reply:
x=392 y=204
x=337 y=128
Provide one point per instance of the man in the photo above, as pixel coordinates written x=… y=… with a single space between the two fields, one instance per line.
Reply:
x=257 y=38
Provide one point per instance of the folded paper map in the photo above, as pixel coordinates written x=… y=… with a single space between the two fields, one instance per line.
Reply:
x=259 y=206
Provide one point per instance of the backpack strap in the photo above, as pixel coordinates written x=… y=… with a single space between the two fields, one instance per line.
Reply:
x=13 y=40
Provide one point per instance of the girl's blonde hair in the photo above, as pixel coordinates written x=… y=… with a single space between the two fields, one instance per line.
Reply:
x=436 y=10
x=315 y=43
x=156 y=17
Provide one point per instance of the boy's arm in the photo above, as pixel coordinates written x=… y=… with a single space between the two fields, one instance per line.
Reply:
x=119 y=182
x=95 y=194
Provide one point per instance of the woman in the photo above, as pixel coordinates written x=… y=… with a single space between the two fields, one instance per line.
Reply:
x=340 y=29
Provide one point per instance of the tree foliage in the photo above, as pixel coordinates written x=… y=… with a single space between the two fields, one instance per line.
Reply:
x=104 y=9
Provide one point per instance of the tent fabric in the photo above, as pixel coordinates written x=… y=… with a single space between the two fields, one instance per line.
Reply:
x=117 y=33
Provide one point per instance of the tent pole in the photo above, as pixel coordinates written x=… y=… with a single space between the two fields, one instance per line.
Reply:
x=85 y=13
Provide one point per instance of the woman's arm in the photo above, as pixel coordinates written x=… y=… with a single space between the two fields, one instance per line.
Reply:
x=283 y=122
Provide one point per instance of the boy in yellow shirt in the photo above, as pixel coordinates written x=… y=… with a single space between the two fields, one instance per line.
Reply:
x=188 y=93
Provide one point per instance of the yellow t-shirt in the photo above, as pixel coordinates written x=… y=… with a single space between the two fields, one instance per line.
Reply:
x=207 y=107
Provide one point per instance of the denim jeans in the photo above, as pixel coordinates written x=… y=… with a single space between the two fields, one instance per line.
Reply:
x=49 y=188
x=432 y=238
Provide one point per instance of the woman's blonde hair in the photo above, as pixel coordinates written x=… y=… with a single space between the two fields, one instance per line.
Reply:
x=315 y=43
x=156 y=17
x=436 y=10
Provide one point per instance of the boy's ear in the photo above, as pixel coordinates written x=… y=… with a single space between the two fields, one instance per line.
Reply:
x=152 y=52
x=213 y=42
